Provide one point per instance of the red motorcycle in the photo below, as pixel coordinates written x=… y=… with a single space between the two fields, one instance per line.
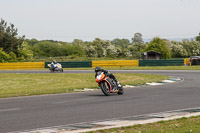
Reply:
x=108 y=85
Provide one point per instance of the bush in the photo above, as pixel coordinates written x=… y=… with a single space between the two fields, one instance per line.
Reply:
x=159 y=45
x=3 y=56
x=13 y=57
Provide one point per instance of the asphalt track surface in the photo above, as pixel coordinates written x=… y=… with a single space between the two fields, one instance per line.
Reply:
x=25 y=113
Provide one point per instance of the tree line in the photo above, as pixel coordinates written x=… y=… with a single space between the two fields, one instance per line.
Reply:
x=14 y=48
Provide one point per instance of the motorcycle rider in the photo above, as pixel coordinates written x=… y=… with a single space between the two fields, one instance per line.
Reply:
x=53 y=63
x=97 y=69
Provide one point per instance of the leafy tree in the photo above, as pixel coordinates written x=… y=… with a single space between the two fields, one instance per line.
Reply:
x=111 y=51
x=137 y=38
x=3 y=56
x=195 y=47
x=77 y=42
x=32 y=41
x=198 y=37
x=122 y=43
x=25 y=53
x=13 y=57
x=100 y=47
x=136 y=49
x=9 y=40
x=186 y=45
x=192 y=47
x=177 y=50
x=75 y=49
x=159 y=45
x=100 y=50
x=123 y=52
x=90 y=50
x=49 y=49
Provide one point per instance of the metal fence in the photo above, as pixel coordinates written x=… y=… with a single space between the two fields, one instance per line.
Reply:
x=23 y=65
x=109 y=63
x=115 y=63
x=73 y=64
x=172 y=62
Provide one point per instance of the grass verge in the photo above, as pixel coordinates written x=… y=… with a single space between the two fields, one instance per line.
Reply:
x=160 y=68
x=130 y=68
x=18 y=84
x=144 y=68
x=183 y=125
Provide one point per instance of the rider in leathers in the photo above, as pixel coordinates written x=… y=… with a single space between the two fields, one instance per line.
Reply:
x=53 y=63
x=97 y=69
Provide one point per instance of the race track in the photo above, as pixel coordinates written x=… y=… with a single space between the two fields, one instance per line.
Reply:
x=25 y=113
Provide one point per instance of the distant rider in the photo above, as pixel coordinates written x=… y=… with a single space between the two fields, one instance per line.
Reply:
x=53 y=63
x=97 y=69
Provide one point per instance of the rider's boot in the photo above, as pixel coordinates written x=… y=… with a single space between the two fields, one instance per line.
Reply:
x=118 y=84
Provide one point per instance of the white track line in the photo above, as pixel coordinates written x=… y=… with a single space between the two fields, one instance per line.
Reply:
x=11 y=109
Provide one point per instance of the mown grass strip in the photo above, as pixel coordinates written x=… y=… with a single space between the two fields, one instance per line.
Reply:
x=18 y=84
x=183 y=125
x=144 y=68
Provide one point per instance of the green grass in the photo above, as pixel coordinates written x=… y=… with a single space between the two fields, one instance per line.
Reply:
x=183 y=125
x=144 y=68
x=18 y=84
x=197 y=67
x=161 y=68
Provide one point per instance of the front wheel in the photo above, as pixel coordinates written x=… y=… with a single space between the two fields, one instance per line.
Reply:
x=105 y=88
x=121 y=91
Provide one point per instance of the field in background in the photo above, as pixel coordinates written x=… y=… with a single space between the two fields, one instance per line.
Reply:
x=143 y=68
x=197 y=67
x=15 y=84
x=157 y=68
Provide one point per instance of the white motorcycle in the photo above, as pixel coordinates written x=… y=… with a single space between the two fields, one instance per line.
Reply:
x=55 y=67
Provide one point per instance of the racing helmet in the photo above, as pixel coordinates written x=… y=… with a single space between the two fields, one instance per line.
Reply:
x=97 y=69
x=54 y=61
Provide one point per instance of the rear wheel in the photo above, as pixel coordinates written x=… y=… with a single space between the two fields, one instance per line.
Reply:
x=105 y=88
x=51 y=70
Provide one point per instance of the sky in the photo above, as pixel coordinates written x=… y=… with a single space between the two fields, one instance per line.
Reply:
x=66 y=20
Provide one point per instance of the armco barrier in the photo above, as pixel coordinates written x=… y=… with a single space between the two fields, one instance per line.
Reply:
x=115 y=63
x=110 y=63
x=73 y=64
x=23 y=65
x=172 y=62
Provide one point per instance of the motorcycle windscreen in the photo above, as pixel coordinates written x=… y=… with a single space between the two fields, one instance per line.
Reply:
x=99 y=73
